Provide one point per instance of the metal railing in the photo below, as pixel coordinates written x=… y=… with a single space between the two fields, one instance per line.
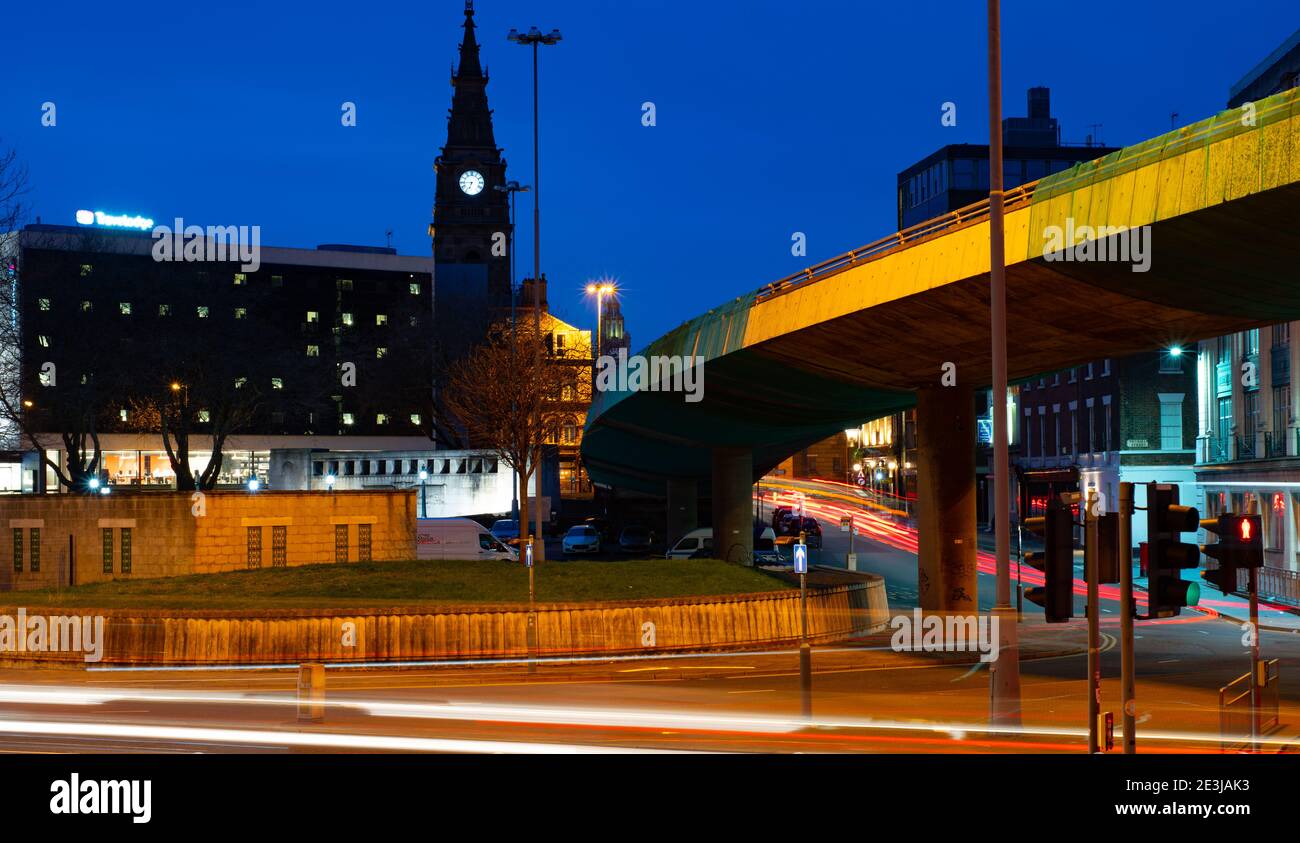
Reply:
x=1277 y=585
x=1274 y=444
x=1219 y=449
x=1246 y=447
x=1236 y=712
x=959 y=218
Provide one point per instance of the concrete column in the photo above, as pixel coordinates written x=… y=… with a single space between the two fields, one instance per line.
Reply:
x=945 y=447
x=733 y=504
x=683 y=509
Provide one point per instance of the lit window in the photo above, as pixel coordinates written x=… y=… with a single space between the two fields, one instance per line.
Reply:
x=202 y=310
x=380 y=318
x=43 y=340
x=277 y=383
x=415 y=321
x=86 y=307
x=347 y=418
x=86 y=269
x=241 y=312
x=313 y=351
x=415 y=418
x=164 y=310
x=205 y=416
x=121 y=414
x=381 y=418
x=381 y=352
x=124 y=307
x=239 y=382
x=240 y=279
x=345 y=284
x=347 y=319
x=415 y=288
x=44 y=303
x=313 y=316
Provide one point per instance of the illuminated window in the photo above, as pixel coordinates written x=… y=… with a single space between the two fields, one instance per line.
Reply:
x=43 y=341
x=240 y=279
x=202 y=311
x=313 y=316
x=415 y=418
x=44 y=304
x=277 y=383
x=205 y=416
x=347 y=319
x=121 y=414
x=345 y=284
x=313 y=351
x=415 y=288
x=241 y=312
x=381 y=352
x=86 y=269
x=381 y=319
x=163 y=309
x=239 y=382
x=86 y=307
x=347 y=419
x=124 y=308
x=381 y=418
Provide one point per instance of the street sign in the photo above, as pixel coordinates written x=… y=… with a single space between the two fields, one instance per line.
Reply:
x=846 y=523
x=801 y=558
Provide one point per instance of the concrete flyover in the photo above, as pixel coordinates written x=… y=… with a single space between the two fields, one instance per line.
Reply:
x=870 y=331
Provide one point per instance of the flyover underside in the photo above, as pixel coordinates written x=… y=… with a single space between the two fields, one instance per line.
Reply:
x=1212 y=272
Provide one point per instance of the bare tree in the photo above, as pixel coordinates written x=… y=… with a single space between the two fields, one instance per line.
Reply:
x=507 y=396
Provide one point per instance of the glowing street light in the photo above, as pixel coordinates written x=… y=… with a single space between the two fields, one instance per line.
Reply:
x=600 y=290
x=1175 y=351
x=424 y=475
x=329 y=482
x=254 y=484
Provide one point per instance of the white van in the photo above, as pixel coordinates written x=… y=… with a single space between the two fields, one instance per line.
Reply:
x=457 y=538
x=701 y=539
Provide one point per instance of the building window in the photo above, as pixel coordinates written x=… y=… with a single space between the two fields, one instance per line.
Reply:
x=18 y=550
x=124 y=308
x=43 y=340
x=240 y=279
x=106 y=534
x=239 y=382
x=415 y=418
x=44 y=304
x=348 y=419
x=381 y=319
x=414 y=287
x=381 y=418
x=241 y=312
x=313 y=316
x=1171 y=422
x=35 y=535
x=1170 y=364
x=340 y=542
x=280 y=545
x=570 y=433
x=87 y=307
x=121 y=414
x=1281 y=408
x=363 y=542
x=205 y=416
x=313 y=351
x=86 y=269
x=202 y=311
x=126 y=550
x=277 y=281
x=277 y=383
x=381 y=352
x=345 y=284
x=254 y=553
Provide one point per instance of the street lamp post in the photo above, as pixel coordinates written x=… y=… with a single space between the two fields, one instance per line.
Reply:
x=534 y=37
x=1004 y=676
x=514 y=188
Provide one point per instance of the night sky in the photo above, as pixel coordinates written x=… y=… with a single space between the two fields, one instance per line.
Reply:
x=773 y=117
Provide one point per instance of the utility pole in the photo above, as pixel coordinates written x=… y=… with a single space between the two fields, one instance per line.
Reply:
x=1004 y=678
x=1127 y=683
x=1091 y=556
x=805 y=651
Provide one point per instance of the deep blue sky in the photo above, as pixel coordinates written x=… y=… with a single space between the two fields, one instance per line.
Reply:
x=773 y=117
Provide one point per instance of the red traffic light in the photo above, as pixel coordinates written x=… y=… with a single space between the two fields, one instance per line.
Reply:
x=1244 y=529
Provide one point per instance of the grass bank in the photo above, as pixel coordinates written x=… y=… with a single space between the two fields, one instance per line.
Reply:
x=383 y=585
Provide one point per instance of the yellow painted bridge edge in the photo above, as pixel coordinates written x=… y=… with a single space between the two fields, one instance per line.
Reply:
x=1217 y=160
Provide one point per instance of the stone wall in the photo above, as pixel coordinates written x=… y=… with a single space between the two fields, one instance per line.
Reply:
x=156 y=637
x=80 y=539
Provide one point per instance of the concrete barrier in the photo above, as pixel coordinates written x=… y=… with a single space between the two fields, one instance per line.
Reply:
x=214 y=637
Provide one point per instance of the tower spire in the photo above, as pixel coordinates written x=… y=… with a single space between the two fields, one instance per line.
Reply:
x=469 y=67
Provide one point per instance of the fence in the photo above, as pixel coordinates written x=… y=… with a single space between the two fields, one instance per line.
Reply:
x=1236 y=709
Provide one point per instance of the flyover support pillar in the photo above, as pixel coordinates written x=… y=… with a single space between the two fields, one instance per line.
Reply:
x=683 y=508
x=945 y=445
x=733 y=504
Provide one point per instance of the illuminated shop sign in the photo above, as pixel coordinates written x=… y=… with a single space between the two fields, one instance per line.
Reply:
x=113 y=220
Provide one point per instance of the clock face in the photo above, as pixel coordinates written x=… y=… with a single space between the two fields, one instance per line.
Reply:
x=471 y=181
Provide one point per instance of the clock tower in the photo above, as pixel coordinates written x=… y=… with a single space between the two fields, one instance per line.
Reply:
x=471 y=219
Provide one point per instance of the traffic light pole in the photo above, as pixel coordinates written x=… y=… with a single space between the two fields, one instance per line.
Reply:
x=1127 y=683
x=1256 y=681
x=805 y=651
x=1091 y=568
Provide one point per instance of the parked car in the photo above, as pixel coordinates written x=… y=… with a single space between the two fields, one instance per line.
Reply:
x=695 y=542
x=779 y=515
x=505 y=529
x=458 y=538
x=636 y=539
x=581 y=539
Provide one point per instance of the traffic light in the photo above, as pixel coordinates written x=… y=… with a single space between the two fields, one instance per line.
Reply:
x=1167 y=555
x=1250 y=540
x=1056 y=561
x=1227 y=551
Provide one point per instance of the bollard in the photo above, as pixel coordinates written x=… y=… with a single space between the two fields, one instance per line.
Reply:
x=311 y=693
